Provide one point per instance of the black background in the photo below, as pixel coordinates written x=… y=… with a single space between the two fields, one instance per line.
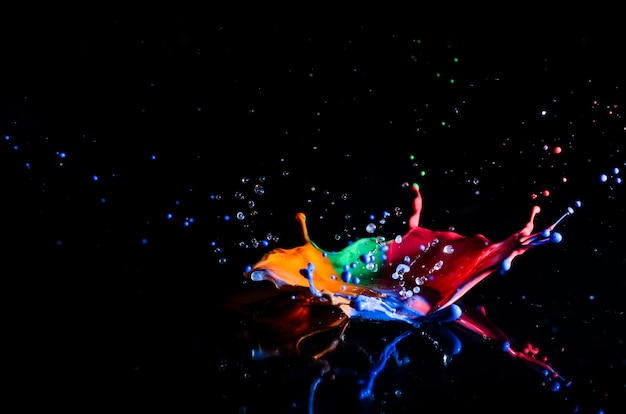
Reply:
x=325 y=113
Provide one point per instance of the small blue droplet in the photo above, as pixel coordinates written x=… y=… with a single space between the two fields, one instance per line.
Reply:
x=346 y=276
x=506 y=264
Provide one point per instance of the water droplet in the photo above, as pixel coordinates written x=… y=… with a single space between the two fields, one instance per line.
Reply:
x=437 y=266
x=448 y=249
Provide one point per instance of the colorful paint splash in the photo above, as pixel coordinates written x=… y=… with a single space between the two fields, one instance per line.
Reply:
x=418 y=278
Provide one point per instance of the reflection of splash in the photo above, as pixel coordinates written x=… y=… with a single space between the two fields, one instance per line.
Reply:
x=419 y=278
x=296 y=323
